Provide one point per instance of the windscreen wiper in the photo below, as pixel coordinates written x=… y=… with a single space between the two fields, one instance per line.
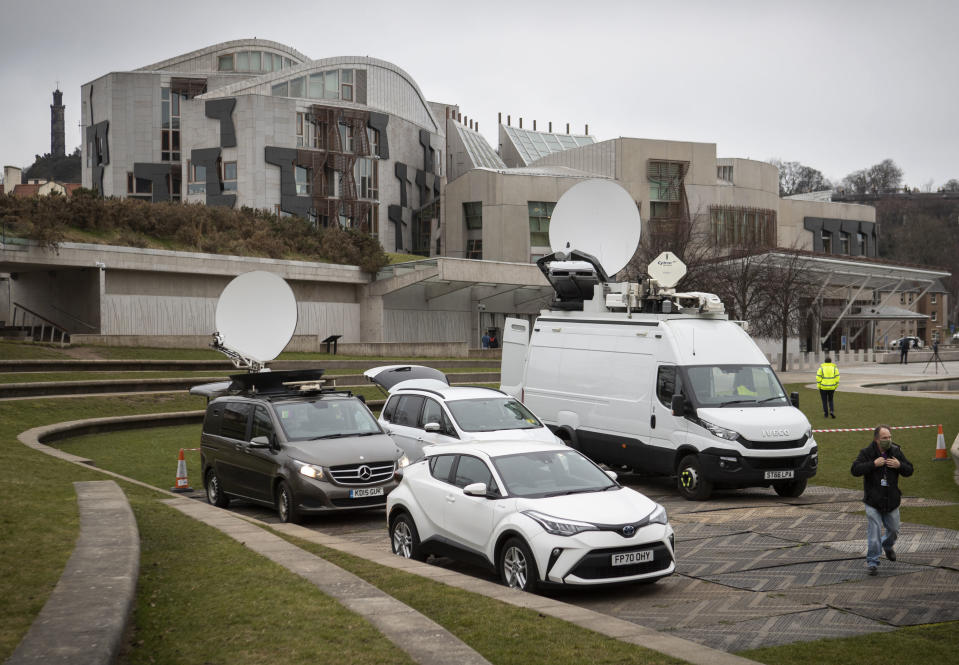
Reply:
x=769 y=399
x=736 y=401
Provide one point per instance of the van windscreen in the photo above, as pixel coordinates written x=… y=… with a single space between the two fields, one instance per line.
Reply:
x=734 y=385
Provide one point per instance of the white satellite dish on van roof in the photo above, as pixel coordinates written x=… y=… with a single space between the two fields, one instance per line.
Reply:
x=255 y=318
x=597 y=217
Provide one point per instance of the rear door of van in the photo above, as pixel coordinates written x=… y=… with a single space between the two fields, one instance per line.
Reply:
x=513 y=362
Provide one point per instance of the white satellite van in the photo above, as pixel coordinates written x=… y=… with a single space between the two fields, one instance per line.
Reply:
x=635 y=375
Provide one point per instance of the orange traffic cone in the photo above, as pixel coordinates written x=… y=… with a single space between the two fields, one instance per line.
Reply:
x=940 y=447
x=182 y=484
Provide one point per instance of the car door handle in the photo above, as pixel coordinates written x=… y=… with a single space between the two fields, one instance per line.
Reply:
x=652 y=421
x=450 y=498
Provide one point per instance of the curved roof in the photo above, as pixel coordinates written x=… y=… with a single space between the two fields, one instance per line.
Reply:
x=389 y=88
x=171 y=63
x=532 y=145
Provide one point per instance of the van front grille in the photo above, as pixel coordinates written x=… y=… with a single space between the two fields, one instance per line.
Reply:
x=359 y=475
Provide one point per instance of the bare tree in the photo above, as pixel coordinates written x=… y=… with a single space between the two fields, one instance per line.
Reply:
x=789 y=287
x=796 y=178
x=951 y=186
x=882 y=177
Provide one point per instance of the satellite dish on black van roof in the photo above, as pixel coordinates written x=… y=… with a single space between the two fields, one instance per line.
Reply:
x=255 y=319
x=597 y=217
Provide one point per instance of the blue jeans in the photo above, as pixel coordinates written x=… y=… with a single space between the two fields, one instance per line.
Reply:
x=878 y=520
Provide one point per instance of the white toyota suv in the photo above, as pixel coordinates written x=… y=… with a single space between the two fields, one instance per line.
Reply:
x=423 y=409
x=540 y=514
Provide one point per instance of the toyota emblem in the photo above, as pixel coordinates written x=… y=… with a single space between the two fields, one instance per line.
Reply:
x=629 y=530
x=365 y=472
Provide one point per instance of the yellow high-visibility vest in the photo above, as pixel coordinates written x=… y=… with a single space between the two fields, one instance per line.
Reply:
x=827 y=378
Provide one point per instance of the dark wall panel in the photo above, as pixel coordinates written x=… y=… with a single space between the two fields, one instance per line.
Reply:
x=222 y=110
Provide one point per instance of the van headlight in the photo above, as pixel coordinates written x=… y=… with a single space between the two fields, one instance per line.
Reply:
x=721 y=432
x=310 y=470
x=557 y=526
x=658 y=516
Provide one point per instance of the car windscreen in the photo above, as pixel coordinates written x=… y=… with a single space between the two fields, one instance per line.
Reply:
x=491 y=414
x=325 y=419
x=714 y=386
x=550 y=473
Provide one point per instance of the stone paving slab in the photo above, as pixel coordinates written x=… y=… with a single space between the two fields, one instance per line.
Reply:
x=686 y=531
x=807 y=574
x=706 y=563
x=782 y=629
x=882 y=587
x=913 y=538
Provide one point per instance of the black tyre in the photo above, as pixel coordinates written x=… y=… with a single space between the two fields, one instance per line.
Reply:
x=214 y=493
x=690 y=481
x=791 y=488
x=517 y=567
x=286 y=504
x=404 y=539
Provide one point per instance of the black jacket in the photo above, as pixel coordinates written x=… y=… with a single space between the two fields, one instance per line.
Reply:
x=884 y=499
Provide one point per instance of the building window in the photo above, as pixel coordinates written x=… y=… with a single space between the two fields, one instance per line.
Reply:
x=665 y=180
x=229 y=176
x=743 y=227
x=374 y=138
x=296 y=87
x=252 y=61
x=473 y=215
x=902 y=298
x=170 y=128
x=303 y=179
x=225 y=63
x=861 y=243
x=300 y=124
x=346 y=85
x=474 y=248
x=932 y=298
x=725 y=173
x=539 y=214
x=196 y=179
x=280 y=89
x=826 y=242
x=367 y=177
x=843 y=243
x=934 y=315
x=346 y=137
x=139 y=187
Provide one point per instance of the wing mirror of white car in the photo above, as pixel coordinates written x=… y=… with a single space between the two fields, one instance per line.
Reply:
x=475 y=489
x=259 y=442
x=611 y=474
x=432 y=427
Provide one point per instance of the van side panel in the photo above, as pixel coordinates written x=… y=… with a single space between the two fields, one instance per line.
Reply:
x=604 y=375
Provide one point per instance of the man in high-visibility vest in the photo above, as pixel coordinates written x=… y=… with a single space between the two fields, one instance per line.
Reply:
x=827 y=380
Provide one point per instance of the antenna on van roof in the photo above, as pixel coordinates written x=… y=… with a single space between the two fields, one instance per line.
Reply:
x=255 y=319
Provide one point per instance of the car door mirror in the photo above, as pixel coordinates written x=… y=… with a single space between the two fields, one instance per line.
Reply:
x=259 y=442
x=678 y=405
x=794 y=398
x=475 y=489
x=432 y=427
x=612 y=474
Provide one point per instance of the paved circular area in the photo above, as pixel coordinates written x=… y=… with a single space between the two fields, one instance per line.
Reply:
x=755 y=569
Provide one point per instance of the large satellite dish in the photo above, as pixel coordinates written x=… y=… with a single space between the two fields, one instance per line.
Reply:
x=256 y=317
x=597 y=217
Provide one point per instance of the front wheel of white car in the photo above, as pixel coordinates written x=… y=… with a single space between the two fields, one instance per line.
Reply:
x=517 y=568
x=404 y=540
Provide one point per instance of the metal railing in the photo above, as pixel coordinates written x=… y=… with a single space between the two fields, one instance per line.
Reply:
x=39 y=326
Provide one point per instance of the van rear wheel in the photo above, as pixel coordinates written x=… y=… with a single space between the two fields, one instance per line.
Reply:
x=792 y=488
x=690 y=481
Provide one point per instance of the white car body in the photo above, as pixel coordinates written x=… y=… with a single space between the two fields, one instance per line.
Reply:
x=451 y=519
x=412 y=432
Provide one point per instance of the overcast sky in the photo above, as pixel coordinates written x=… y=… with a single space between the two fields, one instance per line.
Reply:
x=837 y=85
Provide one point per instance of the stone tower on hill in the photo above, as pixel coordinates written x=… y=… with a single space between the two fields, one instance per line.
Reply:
x=57 y=140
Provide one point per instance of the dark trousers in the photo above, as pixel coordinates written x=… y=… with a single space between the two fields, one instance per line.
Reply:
x=904 y=356
x=827 y=406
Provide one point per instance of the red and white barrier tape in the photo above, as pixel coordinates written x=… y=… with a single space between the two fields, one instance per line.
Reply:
x=869 y=429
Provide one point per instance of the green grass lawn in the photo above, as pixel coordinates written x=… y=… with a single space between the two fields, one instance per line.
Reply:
x=10 y=350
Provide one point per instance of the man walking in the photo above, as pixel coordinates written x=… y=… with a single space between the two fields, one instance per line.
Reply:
x=904 y=351
x=827 y=380
x=880 y=464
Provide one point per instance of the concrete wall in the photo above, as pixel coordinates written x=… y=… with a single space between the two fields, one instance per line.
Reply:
x=68 y=298
x=792 y=212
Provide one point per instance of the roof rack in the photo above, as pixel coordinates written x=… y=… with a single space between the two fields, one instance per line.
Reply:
x=284 y=382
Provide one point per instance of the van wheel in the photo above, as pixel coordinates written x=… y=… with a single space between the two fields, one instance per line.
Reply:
x=214 y=493
x=286 y=504
x=690 y=481
x=567 y=438
x=517 y=567
x=792 y=489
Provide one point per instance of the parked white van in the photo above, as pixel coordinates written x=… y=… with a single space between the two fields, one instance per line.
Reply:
x=661 y=383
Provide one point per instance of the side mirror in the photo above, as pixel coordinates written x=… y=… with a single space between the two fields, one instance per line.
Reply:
x=432 y=427
x=794 y=398
x=678 y=405
x=362 y=398
x=612 y=474
x=259 y=442
x=475 y=489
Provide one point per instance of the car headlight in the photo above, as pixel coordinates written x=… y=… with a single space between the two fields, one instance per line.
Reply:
x=557 y=526
x=402 y=462
x=311 y=470
x=658 y=516
x=721 y=432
